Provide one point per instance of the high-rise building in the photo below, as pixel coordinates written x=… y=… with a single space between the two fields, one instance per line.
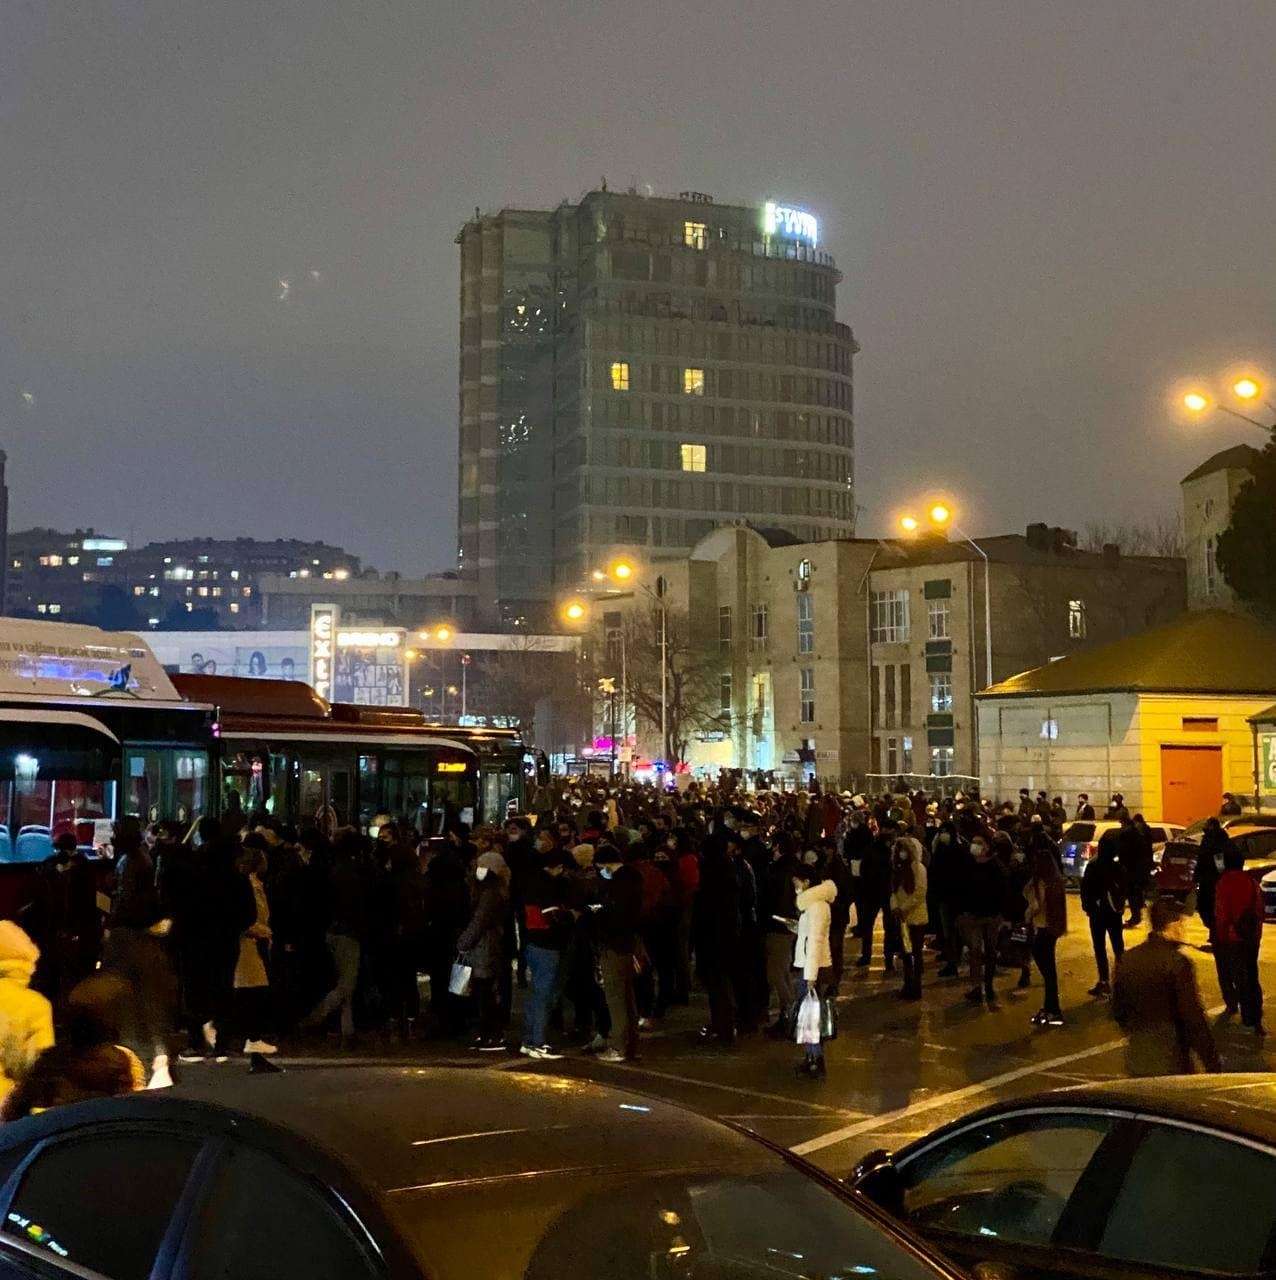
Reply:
x=636 y=371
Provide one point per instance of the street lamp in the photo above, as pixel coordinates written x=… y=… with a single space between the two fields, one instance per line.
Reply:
x=1246 y=389
x=941 y=517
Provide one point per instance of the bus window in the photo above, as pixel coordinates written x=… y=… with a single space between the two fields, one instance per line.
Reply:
x=416 y=800
x=391 y=799
x=237 y=781
x=190 y=784
x=279 y=794
x=312 y=800
x=339 y=795
x=370 y=803
x=451 y=800
x=143 y=788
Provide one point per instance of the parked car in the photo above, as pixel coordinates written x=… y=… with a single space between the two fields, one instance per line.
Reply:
x=1268 y=883
x=1080 y=842
x=1255 y=837
x=1137 y=1179
x=401 y=1172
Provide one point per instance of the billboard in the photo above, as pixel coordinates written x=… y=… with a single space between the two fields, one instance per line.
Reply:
x=370 y=668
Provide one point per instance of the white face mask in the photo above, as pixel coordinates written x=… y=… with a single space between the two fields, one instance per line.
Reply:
x=480 y=873
x=978 y=847
x=605 y=872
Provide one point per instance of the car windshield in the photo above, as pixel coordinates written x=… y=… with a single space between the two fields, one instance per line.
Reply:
x=686 y=1225
x=1079 y=833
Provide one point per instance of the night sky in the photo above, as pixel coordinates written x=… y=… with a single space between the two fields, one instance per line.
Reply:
x=1046 y=211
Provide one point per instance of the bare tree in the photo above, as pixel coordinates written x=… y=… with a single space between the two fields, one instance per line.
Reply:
x=1160 y=537
x=692 y=695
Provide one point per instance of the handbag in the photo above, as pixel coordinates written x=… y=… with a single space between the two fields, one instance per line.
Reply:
x=461 y=979
x=828 y=1020
x=808 y=1019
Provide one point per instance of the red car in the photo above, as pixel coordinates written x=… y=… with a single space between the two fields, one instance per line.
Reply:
x=1255 y=836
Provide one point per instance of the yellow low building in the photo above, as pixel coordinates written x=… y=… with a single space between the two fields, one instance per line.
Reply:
x=1163 y=717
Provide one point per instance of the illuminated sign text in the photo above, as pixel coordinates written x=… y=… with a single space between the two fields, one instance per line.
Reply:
x=323 y=623
x=785 y=221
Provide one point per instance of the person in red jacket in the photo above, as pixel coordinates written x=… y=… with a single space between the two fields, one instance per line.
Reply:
x=1238 y=930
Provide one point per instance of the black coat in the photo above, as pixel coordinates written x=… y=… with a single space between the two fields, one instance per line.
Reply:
x=984 y=895
x=481 y=944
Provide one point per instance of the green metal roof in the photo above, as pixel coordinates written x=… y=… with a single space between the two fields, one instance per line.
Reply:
x=1209 y=652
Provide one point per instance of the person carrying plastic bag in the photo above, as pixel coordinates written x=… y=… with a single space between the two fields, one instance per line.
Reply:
x=813 y=959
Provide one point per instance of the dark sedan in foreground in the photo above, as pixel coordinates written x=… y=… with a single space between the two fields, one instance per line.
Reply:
x=406 y=1172
x=1138 y=1179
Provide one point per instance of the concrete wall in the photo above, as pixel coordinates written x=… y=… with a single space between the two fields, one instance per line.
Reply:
x=1108 y=742
x=1207 y=511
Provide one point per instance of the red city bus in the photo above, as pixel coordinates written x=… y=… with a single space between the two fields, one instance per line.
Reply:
x=283 y=748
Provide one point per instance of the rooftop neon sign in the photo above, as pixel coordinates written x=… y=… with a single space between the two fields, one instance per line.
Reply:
x=790 y=223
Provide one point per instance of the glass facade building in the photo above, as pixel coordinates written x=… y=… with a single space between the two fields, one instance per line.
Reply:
x=636 y=371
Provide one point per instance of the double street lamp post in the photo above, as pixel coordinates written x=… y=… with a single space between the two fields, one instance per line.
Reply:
x=940 y=517
x=1246 y=389
x=576 y=612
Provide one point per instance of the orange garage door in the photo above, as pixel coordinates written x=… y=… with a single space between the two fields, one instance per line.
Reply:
x=1191 y=782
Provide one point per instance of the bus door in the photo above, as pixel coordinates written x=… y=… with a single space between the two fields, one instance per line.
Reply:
x=165 y=782
x=453 y=794
x=326 y=792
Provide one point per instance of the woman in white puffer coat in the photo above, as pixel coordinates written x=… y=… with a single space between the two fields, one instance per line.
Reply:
x=908 y=905
x=812 y=955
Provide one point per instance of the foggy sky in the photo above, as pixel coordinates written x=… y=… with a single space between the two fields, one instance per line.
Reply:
x=1046 y=212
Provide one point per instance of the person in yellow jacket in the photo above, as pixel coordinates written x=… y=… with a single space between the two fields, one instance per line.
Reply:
x=26 y=1017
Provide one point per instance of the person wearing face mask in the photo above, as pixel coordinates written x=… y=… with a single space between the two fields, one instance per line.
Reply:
x=983 y=901
x=950 y=863
x=777 y=910
x=618 y=912
x=908 y=907
x=812 y=959
x=548 y=928
x=482 y=947
x=1156 y=1002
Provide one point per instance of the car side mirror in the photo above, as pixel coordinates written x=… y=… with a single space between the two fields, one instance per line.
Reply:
x=877 y=1178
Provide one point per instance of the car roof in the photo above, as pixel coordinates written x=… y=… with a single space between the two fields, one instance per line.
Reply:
x=1243 y=1104
x=416 y=1127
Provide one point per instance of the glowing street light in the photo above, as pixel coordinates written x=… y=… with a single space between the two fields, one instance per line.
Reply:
x=1246 y=388
x=575 y=611
x=940 y=515
x=622 y=571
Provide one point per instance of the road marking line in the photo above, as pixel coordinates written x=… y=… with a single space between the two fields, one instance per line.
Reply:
x=960 y=1095
x=944 y=1099
x=730 y=1088
x=764 y=1115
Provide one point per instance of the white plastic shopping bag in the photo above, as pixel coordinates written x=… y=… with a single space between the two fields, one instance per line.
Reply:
x=808 y=1019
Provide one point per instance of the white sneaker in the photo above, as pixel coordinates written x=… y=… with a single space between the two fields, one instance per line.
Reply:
x=541 y=1052
x=210 y=1035
x=161 y=1077
x=263 y=1047
x=191 y=1059
x=611 y=1055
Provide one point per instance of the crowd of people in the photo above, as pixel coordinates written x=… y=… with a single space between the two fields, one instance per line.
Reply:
x=607 y=906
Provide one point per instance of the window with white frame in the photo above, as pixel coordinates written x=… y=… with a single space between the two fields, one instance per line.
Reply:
x=938 y=614
x=693 y=382
x=890 y=616
x=1211 y=566
x=758 y=620
x=724 y=698
x=941 y=691
x=805 y=624
x=693 y=235
x=906 y=760
x=724 y=628
x=807 y=691
x=941 y=762
x=1076 y=619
